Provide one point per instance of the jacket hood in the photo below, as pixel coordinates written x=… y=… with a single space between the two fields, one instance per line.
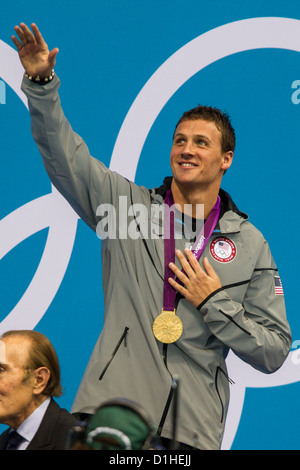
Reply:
x=230 y=216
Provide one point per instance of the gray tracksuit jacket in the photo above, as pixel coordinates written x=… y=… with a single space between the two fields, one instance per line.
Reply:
x=247 y=315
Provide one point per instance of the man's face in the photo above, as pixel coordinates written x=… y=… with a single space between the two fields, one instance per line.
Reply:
x=196 y=154
x=16 y=395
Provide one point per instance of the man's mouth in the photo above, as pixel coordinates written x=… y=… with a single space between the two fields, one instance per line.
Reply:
x=187 y=164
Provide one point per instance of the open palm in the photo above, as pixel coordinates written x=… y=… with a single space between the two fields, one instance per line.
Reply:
x=33 y=51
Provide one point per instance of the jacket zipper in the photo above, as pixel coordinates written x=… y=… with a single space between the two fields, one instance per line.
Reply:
x=171 y=393
x=216 y=384
x=123 y=338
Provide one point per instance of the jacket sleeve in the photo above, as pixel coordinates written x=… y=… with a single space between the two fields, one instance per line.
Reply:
x=256 y=329
x=83 y=180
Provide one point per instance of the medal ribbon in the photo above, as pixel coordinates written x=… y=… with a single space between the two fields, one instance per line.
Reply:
x=169 y=245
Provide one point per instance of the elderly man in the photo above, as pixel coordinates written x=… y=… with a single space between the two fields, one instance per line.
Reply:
x=29 y=378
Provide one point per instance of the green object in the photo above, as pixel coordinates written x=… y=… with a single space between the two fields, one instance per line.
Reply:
x=119 y=426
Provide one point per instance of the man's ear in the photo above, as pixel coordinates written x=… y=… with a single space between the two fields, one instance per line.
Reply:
x=227 y=160
x=41 y=378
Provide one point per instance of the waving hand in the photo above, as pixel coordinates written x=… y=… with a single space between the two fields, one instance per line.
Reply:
x=33 y=51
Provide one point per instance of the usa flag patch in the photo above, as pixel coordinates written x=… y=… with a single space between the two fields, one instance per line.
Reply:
x=278 y=286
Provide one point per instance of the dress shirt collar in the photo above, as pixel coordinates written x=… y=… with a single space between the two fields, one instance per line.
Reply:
x=31 y=424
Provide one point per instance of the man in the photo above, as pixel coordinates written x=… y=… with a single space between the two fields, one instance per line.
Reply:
x=29 y=378
x=165 y=315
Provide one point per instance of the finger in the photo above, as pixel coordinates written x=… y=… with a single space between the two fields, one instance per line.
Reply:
x=184 y=263
x=38 y=37
x=16 y=42
x=193 y=261
x=52 y=56
x=179 y=287
x=21 y=34
x=183 y=291
x=28 y=36
x=209 y=269
x=178 y=273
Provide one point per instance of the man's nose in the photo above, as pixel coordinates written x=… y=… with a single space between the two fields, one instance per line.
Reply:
x=188 y=150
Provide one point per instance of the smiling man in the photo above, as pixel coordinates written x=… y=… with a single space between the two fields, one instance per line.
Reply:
x=203 y=146
x=169 y=311
x=202 y=151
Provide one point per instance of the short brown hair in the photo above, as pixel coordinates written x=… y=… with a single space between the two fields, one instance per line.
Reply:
x=41 y=354
x=221 y=120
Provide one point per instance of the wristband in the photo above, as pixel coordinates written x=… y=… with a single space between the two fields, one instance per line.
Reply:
x=38 y=79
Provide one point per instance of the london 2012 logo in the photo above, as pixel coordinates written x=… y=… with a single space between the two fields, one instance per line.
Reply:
x=53 y=212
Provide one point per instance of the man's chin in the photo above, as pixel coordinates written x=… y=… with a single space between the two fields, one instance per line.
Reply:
x=186 y=182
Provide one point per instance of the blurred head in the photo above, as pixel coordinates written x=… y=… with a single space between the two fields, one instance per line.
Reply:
x=119 y=424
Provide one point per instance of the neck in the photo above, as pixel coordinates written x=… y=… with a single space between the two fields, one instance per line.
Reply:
x=188 y=199
x=18 y=419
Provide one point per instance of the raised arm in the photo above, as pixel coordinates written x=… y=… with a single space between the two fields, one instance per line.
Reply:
x=83 y=180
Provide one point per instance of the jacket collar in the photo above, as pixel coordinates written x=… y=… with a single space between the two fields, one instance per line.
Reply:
x=230 y=218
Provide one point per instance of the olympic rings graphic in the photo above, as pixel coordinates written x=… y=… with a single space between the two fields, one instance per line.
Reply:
x=48 y=211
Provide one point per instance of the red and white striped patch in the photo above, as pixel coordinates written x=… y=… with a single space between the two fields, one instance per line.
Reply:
x=278 y=286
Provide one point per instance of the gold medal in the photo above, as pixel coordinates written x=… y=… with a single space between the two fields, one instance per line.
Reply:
x=167 y=327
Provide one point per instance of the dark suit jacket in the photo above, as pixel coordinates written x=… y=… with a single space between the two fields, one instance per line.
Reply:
x=53 y=431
